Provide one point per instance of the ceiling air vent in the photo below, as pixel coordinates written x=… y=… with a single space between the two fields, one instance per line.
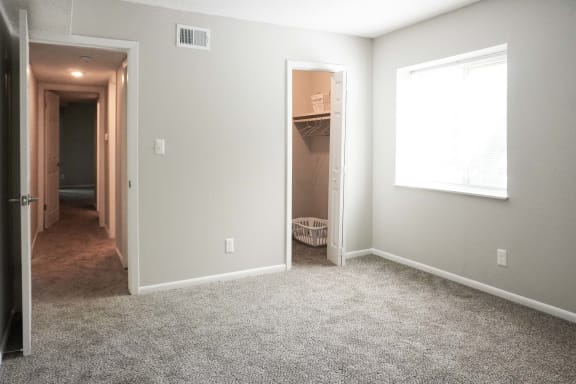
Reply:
x=192 y=37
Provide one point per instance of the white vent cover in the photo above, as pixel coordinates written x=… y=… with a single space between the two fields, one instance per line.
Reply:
x=192 y=37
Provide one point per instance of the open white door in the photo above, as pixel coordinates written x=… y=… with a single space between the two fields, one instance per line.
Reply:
x=25 y=197
x=336 y=174
x=52 y=137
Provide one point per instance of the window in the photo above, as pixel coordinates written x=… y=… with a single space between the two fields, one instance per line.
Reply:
x=451 y=124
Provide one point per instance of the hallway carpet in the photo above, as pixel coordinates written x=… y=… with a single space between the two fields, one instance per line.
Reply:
x=75 y=259
x=371 y=322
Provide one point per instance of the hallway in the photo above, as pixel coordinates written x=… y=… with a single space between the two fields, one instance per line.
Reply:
x=75 y=259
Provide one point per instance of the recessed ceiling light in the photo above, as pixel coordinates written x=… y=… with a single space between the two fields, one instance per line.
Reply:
x=77 y=74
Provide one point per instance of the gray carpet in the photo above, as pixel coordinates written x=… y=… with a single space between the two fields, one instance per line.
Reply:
x=372 y=322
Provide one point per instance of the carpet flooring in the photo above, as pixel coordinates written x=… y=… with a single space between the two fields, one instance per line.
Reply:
x=371 y=322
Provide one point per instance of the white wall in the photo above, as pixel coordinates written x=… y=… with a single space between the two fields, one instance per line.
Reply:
x=537 y=224
x=310 y=154
x=222 y=113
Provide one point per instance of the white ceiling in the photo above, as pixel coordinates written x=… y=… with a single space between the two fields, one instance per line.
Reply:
x=49 y=15
x=368 y=18
x=53 y=16
x=53 y=64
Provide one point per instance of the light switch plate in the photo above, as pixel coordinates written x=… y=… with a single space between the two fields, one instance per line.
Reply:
x=160 y=146
x=229 y=245
x=502 y=257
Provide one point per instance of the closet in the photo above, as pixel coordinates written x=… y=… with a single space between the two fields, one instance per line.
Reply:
x=310 y=156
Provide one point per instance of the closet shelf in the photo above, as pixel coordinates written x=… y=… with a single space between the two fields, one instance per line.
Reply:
x=313 y=124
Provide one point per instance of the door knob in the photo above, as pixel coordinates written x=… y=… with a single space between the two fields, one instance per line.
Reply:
x=24 y=200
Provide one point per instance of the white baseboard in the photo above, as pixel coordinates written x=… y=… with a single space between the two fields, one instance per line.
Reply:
x=362 y=252
x=213 y=278
x=119 y=254
x=530 y=303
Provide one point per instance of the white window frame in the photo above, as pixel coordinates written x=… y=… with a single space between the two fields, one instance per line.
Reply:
x=403 y=75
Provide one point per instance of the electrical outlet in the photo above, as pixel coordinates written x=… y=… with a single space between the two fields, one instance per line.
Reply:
x=502 y=257
x=229 y=245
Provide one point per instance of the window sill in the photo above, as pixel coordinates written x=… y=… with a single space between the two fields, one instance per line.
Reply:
x=461 y=190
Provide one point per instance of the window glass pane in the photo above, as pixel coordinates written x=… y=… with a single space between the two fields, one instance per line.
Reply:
x=485 y=124
x=451 y=128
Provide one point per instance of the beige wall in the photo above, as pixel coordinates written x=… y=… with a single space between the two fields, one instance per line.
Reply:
x=310 y=154
x=120 y=165
x=110 y=155
x=304 y=85
x=222 y=113
x=116 y=162
x=460 y=234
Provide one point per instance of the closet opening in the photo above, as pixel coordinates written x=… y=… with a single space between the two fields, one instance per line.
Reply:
x=316 y=107
x=310 y=156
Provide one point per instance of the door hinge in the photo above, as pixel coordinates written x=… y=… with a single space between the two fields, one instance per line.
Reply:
x=45 y=207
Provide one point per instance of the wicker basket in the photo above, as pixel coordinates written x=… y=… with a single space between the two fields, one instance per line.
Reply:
x=310 y=230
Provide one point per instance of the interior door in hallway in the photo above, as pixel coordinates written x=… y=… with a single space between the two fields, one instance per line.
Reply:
x=336 y=169
x=52 y=190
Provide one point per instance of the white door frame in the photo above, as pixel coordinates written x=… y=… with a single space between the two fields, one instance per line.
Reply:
x=292 y=65
x=100 y=145
x=131 y=48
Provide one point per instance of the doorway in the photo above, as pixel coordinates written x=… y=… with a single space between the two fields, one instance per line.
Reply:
x=310 y=157
x=78 y=135
x=315 y=162
x=67 y=170
x=78 y=145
